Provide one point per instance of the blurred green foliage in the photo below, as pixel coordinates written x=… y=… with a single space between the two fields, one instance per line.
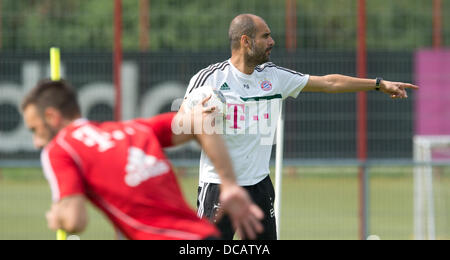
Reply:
x=202 y=24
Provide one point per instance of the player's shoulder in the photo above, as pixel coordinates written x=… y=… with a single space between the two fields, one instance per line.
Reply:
x=216 y=67
x=266 y=67
x=270 y=67
x=209 y=72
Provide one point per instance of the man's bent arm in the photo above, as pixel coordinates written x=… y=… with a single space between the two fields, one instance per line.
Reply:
x=212 y=144
x=215 y=148
x=68 y=214
x=235 y=201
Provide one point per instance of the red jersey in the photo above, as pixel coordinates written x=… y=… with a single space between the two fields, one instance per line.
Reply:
x=122 y=169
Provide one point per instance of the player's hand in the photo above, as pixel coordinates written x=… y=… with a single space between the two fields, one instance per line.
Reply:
x=192 y=120
x=198 y=109
x=203 y=117
x=245 y=215
x=396 y=90
x=201 y=110
x=52 y=216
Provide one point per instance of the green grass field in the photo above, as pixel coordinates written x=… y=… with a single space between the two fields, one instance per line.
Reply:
x=317 y=203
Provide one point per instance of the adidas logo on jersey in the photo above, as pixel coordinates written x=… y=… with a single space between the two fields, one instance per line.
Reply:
x=141 y=167
x=225 y=87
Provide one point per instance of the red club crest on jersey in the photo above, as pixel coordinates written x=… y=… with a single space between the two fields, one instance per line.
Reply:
x=266 y=85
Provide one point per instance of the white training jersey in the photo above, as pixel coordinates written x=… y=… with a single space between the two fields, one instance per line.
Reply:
x=253 y=103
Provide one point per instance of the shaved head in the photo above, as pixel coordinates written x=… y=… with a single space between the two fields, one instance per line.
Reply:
x=243 y=24
x=250 y=40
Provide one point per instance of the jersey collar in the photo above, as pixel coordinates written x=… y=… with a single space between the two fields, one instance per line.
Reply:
x=239 y=73
x=79 y=121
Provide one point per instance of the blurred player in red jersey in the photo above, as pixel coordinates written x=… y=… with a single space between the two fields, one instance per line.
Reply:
x=122 y=169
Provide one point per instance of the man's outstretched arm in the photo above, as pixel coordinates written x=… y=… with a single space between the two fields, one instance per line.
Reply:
x=336 y=83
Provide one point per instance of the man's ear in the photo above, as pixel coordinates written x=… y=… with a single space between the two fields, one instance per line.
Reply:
x=53 y=117
x=245 y=41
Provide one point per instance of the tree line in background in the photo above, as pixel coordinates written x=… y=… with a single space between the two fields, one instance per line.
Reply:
x=202 y=24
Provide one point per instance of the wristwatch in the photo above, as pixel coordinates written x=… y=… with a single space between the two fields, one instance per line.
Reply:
x=377 y=83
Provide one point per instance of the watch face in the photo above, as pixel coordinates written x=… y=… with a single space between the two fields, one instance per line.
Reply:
x=378 y=82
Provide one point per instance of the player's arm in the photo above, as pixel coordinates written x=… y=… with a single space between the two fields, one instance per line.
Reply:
x=235 y=201
x=190 y=125
x=68 y=214
x=211 y=143
x=187 y=122
x=68 y=210
x=336 y=83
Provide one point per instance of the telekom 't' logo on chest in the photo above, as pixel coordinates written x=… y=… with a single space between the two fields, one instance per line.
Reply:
x=254 y=118
x=237 y=114
x=262 y=110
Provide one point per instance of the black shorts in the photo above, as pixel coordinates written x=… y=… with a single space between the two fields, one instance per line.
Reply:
x=262 y=194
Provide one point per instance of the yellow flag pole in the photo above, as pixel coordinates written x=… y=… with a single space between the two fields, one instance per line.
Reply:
x=55 y=64
x=55 y=74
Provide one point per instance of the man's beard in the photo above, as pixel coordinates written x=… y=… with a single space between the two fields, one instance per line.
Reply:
x=257 y=56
